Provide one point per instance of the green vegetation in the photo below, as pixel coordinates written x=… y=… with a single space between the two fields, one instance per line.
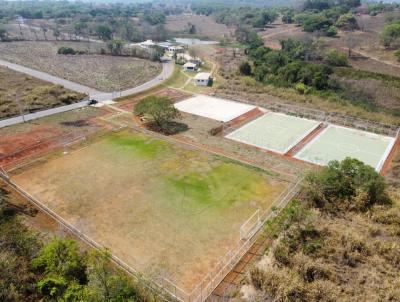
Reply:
x=335 y=58
x=69 y=51
x=160 y=112
x=58 y=270
x=325 y=16
x=341 y=231
x=140 y=146
x=287 y=67
x=391 y=35
x=220 y=187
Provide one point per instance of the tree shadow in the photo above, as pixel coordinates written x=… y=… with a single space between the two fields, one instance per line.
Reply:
x=168 y=128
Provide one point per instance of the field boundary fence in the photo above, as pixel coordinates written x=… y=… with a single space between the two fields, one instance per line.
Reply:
x=205 y=288
x=171 y=293
x=322 y=116
x=27 y=155
x=162 y=287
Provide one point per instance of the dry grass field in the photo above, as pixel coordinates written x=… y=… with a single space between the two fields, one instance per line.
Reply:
x=164 y=209
x=21 y=92
x=205 y=26
x=106 y=73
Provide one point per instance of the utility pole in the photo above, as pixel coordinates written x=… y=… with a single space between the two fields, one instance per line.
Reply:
x=20 y=107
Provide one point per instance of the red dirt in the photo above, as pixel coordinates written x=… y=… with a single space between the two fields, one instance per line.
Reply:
x=23 y=145
x=388 y=162
x=238 y=121
x=174 y=95
x=306 y=140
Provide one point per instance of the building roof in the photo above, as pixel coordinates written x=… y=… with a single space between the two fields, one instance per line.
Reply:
x=202 y=76
x=147 y=43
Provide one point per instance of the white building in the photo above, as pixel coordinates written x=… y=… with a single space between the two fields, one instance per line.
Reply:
x=189 y=67
x=147 y=44
x=172 y=50
x=202 y=79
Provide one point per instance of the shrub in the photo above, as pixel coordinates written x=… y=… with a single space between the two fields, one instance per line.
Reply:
x=397 y=54
x=335 y=58
x=302 y=88
x=331 y=31
x=66 y=51
x=245 y=69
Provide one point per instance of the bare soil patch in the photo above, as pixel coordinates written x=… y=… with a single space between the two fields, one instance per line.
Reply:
x=103 y=72
x=29 y=140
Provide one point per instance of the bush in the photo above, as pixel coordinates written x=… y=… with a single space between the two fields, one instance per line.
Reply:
x=397 y=54
x=245 y=69
x=331 y=31
x=302 y=88
x=335 y=58
x=66 y=51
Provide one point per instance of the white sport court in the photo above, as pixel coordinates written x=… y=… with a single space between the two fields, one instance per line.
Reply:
x=274 y=131
x=213 y=108
x=337 y=143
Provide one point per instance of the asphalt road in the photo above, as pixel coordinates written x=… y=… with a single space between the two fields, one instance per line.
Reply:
x=100 y=96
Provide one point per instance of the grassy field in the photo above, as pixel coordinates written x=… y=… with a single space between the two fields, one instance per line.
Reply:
x=106 y=73
x=161 y=208
x=19 y=92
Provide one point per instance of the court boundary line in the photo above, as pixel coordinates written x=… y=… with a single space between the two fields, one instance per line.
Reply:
x=250 y=107
x=229 y=136
x=377 y=167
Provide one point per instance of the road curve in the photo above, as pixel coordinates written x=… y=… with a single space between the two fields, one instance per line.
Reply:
x=167 y=71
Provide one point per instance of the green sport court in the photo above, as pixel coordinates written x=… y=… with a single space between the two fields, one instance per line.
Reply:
x=337 y=143
x=275 y=132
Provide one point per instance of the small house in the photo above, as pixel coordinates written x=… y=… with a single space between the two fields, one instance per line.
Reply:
x=189 y=67
x=203 y=79
x=172 y=50
x=147 y=44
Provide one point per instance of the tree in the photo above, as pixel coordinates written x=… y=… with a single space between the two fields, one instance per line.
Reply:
x=346 y=185
x=335 y=58
x=347 y=22
x=104 y=284
x=245 y=69
x=159 y=110
x=104 y=32
x=62 y=258
x=391 y=35
x=115 y=47
x=3 y=34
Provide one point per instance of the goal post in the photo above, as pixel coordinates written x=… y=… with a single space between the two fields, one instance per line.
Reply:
x=251 y=226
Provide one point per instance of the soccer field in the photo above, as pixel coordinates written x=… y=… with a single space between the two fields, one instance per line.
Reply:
x=165 y=210
x=337 y=143
x=274 y=131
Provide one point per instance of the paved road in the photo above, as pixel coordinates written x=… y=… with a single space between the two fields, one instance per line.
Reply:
x=167 y=71
x=49 y=78
x=39 y=114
